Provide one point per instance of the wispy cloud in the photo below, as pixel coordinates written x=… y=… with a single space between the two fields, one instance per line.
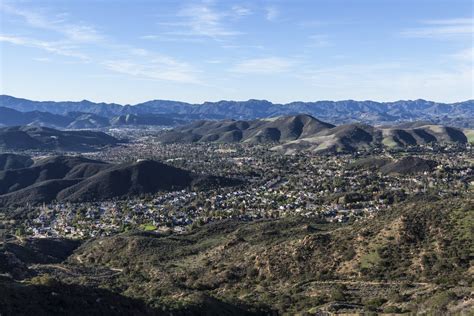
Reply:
x=244 y=47
x=71 y=38
x=163 y=68
x=149 y=37
x=240 y=10
x=58 y=48
x=272 y=13
x=74 y=32
x=146 y=64
x=267 y=65
x=76 y=39
x=173 y=36
x=202 y=20
x=391 y=81
x=442 y=29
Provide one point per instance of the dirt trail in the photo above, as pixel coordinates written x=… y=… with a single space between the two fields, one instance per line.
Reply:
x=106 y=273
x=355 y=282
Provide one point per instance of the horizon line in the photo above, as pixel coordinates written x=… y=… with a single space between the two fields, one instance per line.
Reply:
x=230 y=100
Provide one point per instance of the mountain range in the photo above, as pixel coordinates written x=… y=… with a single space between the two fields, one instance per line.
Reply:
x=43 y=138
x=459 y=114
x=304 y=132
x=77 y=179
x=82 y=120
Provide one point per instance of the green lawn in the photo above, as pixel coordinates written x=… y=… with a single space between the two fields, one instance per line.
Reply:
x=148 y=227
x=470 y=135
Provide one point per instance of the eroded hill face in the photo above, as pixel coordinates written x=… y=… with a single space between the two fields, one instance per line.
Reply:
x=77 y=179
x=304 y=132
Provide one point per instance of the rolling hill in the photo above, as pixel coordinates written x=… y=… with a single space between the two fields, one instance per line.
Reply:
x=355 y=137
x=280 y=129
x=77 y=179
x=304 y=132
x=43 y=138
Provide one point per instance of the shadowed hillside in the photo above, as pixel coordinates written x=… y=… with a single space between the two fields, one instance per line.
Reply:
x=79 y=179
x=405 y=165
x=42 y=138
x=13 y=161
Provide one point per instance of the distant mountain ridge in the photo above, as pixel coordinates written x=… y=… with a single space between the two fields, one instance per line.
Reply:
x=82 y=120
x=459 y=114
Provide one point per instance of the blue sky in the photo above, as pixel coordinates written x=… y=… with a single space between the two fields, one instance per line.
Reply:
x=195 y=51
